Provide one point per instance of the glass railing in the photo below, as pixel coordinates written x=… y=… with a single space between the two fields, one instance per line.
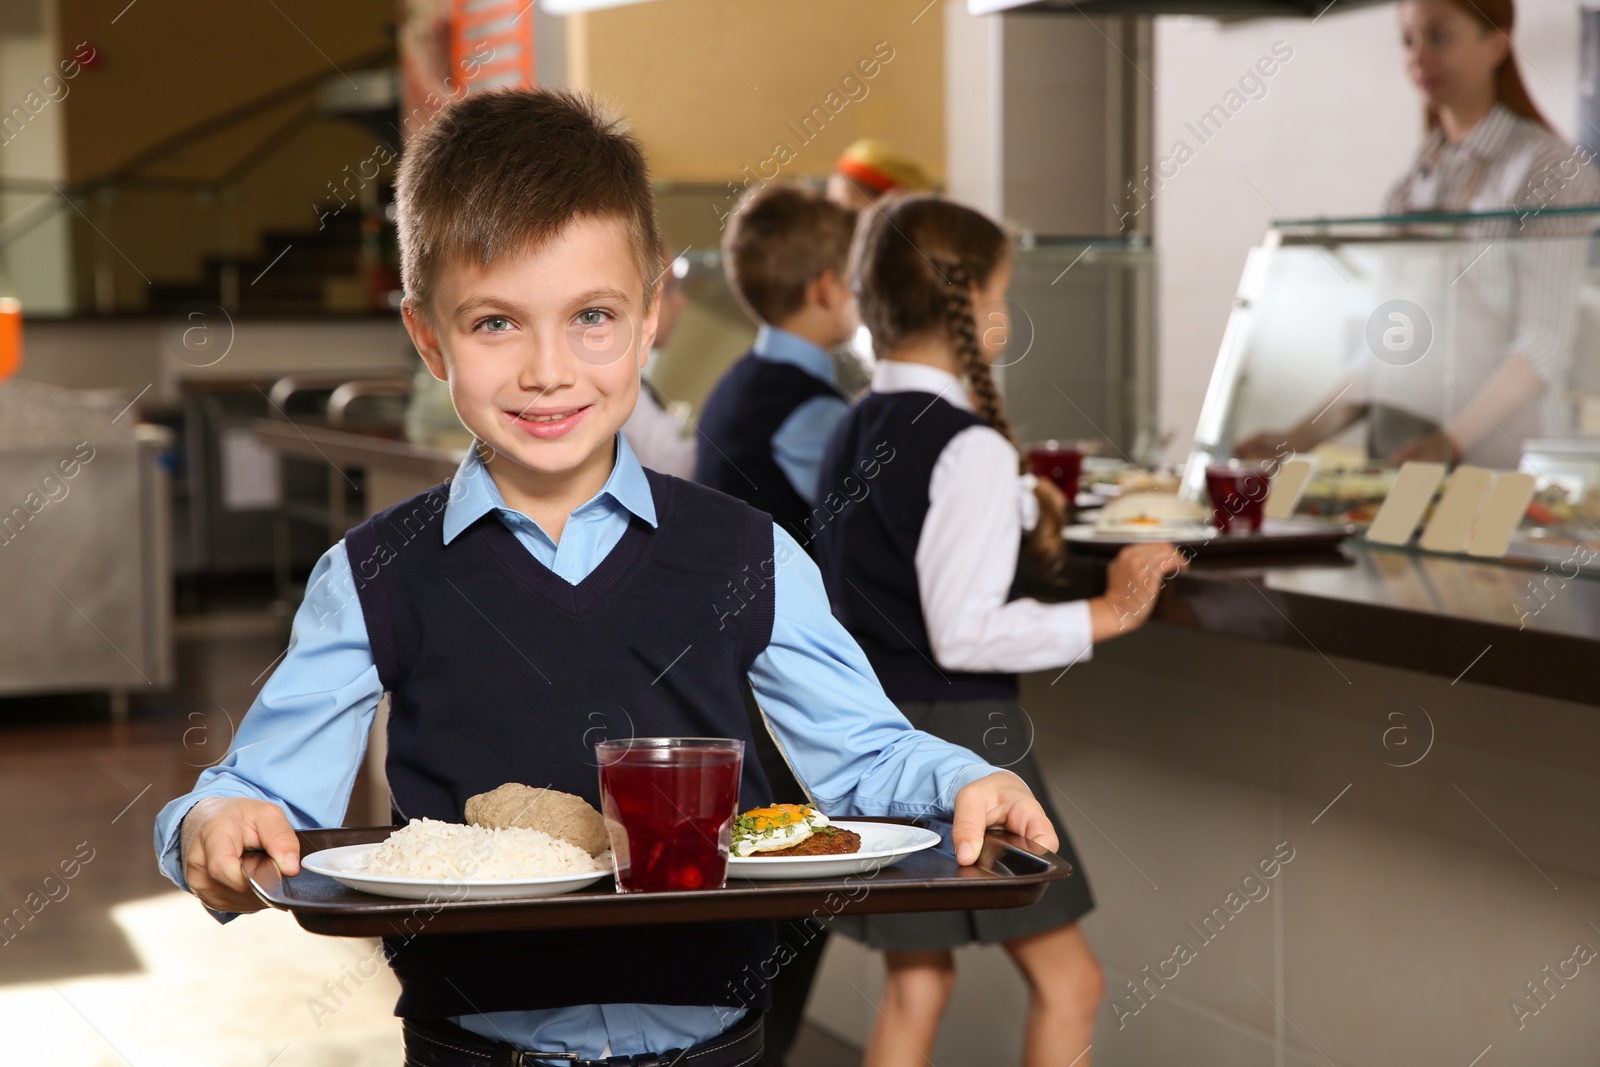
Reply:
x=220 y=213
x=143 y=247
x=1467 y=338
x=1079 y=361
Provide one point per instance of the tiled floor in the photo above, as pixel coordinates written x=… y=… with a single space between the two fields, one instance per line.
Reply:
x=113 y=966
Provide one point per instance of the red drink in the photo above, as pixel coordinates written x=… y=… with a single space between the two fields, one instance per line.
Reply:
x=669 y=804
x=1060 y=463
x=1238 y=494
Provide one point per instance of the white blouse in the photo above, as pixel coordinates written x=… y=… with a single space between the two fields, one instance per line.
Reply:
x=1504 y=163
x=1510 y=163
x=978 y=509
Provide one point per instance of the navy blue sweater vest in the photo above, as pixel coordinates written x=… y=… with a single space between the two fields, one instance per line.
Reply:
x=500 y=671
x=877 y=469
x=737 y=423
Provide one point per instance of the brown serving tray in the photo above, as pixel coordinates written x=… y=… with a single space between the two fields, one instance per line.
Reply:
x=1010 y=872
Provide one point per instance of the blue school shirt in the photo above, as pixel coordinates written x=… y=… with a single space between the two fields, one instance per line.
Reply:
x=305 y=736
x=801 y=439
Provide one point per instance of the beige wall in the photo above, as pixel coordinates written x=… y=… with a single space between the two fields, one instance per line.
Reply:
x=164 y=67
x=711 y=85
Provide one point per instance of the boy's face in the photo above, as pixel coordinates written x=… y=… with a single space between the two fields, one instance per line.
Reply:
x=542 y=351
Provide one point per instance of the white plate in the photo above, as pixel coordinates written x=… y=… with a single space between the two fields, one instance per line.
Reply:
x=882 y=844
x=339 y=864
x=1093 y=535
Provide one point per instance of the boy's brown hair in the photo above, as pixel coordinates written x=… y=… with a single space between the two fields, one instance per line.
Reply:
x=503 y=171
x=781 y=239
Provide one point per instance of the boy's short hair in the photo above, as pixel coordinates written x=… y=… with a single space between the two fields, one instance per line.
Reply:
x=504 y=171
x=782 y=238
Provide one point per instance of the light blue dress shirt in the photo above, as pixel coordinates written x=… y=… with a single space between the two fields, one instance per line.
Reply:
x=306 y=735
x=800 y=440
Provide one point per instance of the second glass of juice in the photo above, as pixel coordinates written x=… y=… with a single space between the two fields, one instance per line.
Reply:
x=1060 y=462
x=669 y=804
x=1238 y=496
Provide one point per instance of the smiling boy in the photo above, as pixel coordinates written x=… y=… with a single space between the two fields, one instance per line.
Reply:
x=553 y=581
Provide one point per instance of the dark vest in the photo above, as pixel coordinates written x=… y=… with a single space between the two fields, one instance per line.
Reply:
x=500 y=671
x=874 y=485
x=737 y=423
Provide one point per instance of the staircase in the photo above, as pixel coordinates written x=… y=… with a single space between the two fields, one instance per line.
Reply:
x=347 y=266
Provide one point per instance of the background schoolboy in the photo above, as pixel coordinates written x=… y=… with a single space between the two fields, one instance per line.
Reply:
x=765 y=426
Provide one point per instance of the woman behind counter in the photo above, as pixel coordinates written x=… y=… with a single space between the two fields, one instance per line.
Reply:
x=1486 y=148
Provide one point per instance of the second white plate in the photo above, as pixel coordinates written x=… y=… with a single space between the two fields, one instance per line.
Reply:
x=882 y=844
x=1187 y=532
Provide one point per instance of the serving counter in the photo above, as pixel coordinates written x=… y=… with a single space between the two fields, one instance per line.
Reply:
x=1418 y=733
x=1497 y=624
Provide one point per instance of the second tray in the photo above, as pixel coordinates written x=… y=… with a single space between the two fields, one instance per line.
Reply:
x=1294 y=535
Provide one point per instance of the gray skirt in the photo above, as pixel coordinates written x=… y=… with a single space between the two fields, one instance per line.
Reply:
x=998 y=732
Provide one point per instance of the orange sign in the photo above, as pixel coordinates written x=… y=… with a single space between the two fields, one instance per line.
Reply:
x=10 y=336
x=491 y=43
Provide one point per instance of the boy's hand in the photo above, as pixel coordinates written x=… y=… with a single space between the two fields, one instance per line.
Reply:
x=216 y=834
x=999 y=799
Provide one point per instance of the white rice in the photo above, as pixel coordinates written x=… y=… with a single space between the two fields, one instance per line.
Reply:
x=427 y=848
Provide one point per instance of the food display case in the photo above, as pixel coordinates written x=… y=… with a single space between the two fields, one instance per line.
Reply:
x=1359 y=340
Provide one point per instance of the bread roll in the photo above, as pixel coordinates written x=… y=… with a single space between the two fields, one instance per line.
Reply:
x=558 y=814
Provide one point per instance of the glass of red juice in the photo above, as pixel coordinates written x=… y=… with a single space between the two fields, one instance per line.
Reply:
x=669 y=804
x=1238 y=496
x=1060 y=462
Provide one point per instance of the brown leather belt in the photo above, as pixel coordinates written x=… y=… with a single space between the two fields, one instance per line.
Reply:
x=439 y=1043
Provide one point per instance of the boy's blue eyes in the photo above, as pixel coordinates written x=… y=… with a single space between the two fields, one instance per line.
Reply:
x=501 y=324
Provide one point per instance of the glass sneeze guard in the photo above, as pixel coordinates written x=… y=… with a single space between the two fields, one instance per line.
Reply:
x=1362 y=338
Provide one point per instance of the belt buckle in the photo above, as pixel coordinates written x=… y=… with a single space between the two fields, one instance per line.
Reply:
x=531 y=1057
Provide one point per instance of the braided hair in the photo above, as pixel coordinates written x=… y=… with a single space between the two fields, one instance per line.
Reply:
x=916 y=263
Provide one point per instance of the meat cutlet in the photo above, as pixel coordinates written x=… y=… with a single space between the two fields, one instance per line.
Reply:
x=824 y=841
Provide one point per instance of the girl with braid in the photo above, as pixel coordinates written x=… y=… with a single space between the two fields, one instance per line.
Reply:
x=919 y=560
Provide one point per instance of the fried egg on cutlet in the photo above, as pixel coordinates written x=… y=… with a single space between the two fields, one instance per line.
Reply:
x=776 y=827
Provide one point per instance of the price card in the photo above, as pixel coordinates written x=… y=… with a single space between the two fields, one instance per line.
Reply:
x=1287 y=488
x=1507 y=503
x=1458 y=509
x=1402 y=510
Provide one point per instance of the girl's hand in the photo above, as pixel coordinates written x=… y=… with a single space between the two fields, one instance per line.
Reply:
x=1133 y=581
x=999 y=799
x=215 y=836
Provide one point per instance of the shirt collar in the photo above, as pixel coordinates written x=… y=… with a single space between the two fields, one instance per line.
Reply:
x=473 y=493
x=781 y=346
x=898 y=376
x=1489 y=138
